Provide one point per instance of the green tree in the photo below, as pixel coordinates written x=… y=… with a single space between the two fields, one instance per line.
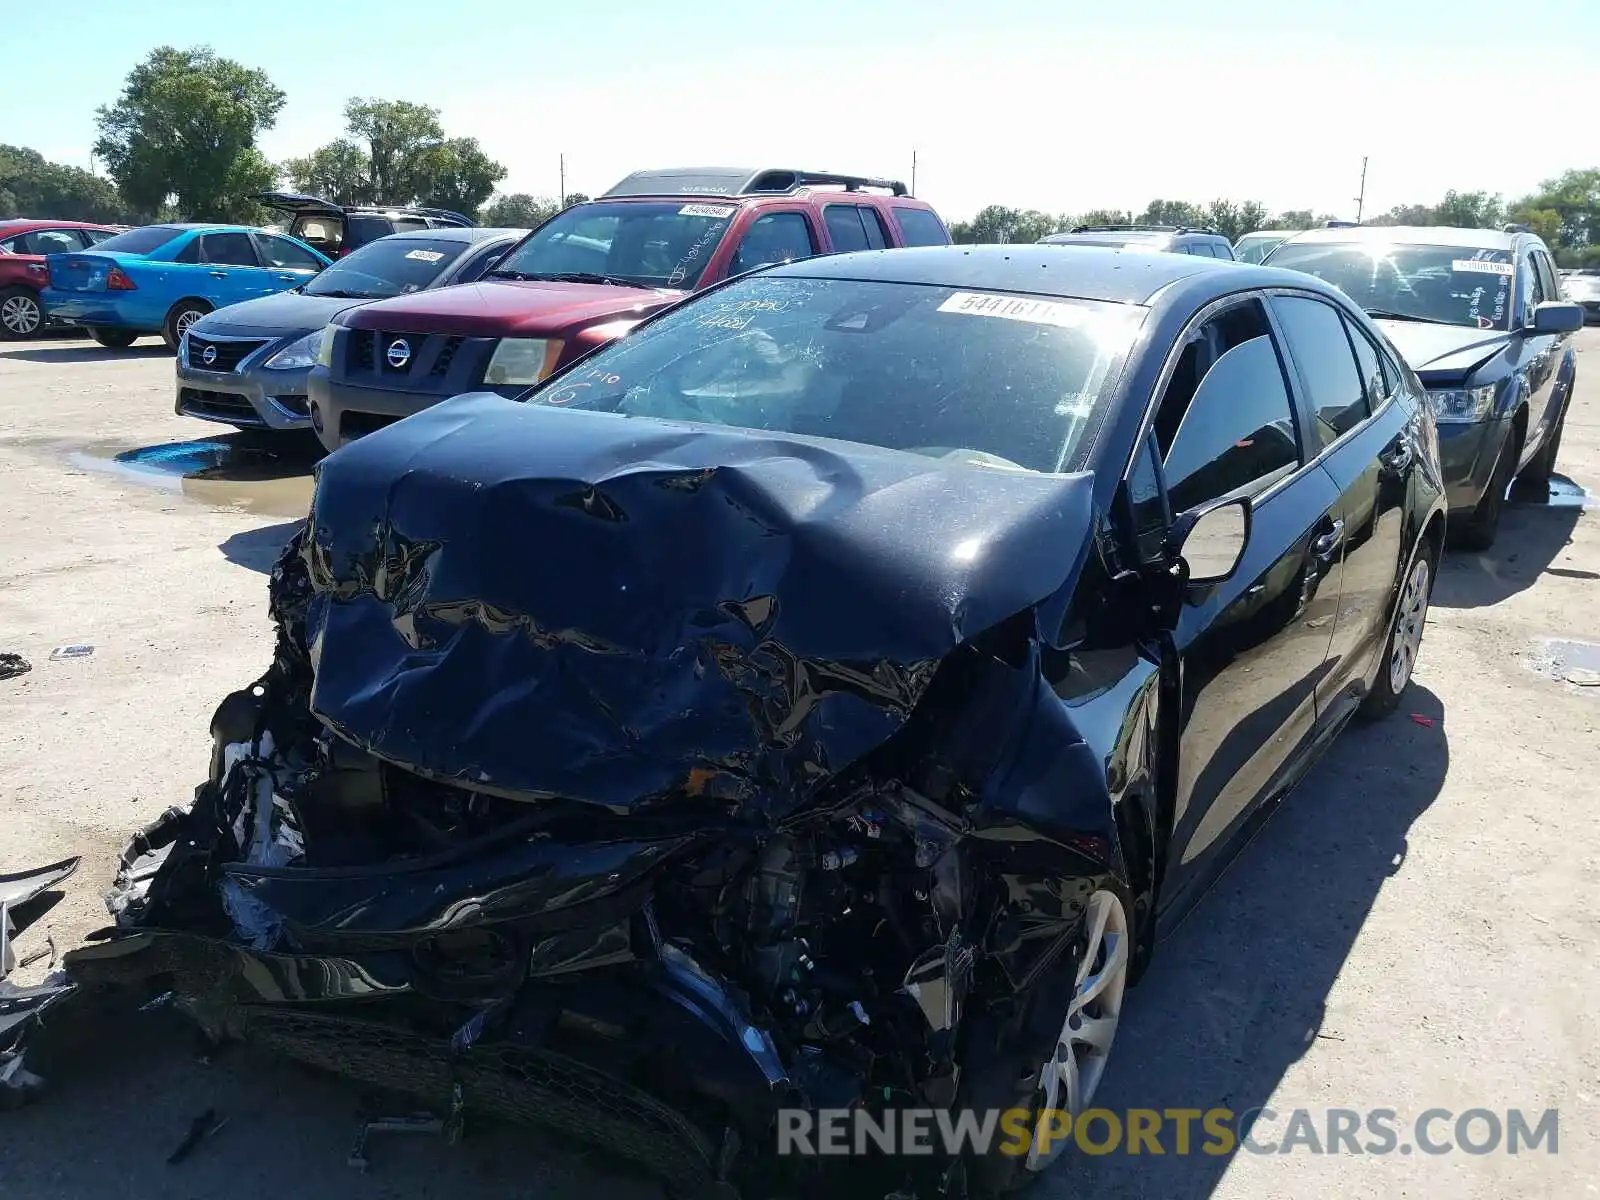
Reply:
x=519 y=210
x=31 y=186
x=185 y=128
x=454 y=174
x=396 y=133
x=1172 y=212
x=1295 y=218
x=336 y=172
x=1546 y=222
x=1574 y=196
x=1470 y=210
x=997 y=223
x=575 y=198
x=1103 y=216
x=1232 y=220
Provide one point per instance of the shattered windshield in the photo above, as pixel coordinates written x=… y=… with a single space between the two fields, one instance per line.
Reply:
x=995 y=378
x=1450 y=285
x=644 y=243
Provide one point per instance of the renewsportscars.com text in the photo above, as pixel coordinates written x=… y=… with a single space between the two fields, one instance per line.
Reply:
x=1180 y=1131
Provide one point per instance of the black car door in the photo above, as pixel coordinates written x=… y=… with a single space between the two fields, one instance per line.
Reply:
x=1363 y=446
x=1248 y=651
x=1541 y=352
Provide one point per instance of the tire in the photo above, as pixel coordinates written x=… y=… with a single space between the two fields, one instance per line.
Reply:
x=1536 y=475
x=1479 y=531
x=114 y=339
x=20 y=314
x=1405 y=635
x=1001 y=1073
x=184 y=314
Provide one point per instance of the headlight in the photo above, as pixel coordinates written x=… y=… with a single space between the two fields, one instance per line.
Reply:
x=183 y=349
x=298 y=354
x=325 y=347
x=1460 y=406
x=521 y=360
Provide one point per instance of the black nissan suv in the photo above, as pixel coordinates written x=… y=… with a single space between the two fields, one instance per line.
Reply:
x=337 y=229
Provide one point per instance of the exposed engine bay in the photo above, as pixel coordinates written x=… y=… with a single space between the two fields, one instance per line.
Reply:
x=659 y=978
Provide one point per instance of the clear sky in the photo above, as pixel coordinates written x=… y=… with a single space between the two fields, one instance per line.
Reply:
x=1035 y=103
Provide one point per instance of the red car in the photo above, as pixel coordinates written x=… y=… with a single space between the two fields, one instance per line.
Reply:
x=23 y=245
x=589 y=274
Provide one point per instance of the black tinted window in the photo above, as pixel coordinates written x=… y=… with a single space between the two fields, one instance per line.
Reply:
x=844 y=227
x=1371 y=366
x=142 y=240
x=1225 y=421
x=1321 y=349
x=919 y=227
x=281 y=252
x=774 y=238
x=877 y=235
x=361 y=230
x=228 y=250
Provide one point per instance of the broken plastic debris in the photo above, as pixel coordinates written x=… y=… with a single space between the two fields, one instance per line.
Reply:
x=76 y=650
x=1422 y=720
x=1583 y=677
x=12 y=665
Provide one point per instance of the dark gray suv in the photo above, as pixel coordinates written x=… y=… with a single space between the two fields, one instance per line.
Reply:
x=1174 y=239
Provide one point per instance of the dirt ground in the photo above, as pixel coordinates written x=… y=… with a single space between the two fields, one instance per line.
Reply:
x=1418 y=927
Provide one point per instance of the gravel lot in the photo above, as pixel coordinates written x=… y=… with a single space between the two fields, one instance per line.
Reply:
x=1416 y=928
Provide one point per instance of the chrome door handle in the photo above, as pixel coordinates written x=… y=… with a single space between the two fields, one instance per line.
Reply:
x=288 y=278
x=1325 y=545
x=218 y=274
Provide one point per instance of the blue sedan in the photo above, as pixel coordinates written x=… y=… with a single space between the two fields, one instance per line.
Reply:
x=161 y=279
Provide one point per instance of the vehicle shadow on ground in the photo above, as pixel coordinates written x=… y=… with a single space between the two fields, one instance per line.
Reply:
x=1533 y=533
x=1238 y=994
x=258 y=549
x=88 y=352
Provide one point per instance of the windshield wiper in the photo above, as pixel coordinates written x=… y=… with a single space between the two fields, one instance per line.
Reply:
x=335 y=294
x=1378 y=314
x=569 y=277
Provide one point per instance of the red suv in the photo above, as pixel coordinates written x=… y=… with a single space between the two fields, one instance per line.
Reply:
x=588 y=275
x=23 y=245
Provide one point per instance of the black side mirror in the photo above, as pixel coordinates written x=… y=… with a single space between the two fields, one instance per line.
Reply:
x=1556 y=316
x=1210 y=540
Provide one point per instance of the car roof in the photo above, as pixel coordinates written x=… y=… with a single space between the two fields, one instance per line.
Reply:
x=1109 y=237
x=1414 y=235
x=1085 y=272
x=471 y=234
x=1269 y=233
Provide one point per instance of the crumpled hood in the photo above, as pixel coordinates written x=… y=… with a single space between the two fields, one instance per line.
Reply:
x=549 y=602
x=503 y=308
x=1444 y=349
x=275 y=316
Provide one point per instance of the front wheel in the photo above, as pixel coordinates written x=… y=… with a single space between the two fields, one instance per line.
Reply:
x=113 y=339
x=1480 y=530
x=20 y=314
x=1405 y=638
x=1063 y=1080
x=1536 y=475
x=183 y=315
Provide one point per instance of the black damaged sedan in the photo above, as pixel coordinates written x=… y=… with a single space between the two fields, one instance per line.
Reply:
x=824 y=696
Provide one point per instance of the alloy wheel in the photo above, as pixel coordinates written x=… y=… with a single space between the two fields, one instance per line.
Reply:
x=1069 y=1080
x=185 y=319
x=20 y=315
x=1408 y=625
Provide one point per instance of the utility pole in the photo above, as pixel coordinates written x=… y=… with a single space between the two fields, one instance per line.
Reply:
x=562 y=159
x=913 y=171
x=1361 y=200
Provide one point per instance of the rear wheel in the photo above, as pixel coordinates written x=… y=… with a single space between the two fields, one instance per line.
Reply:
x=20 y=314
x=1405 y=637
x=184 y=314
x=113 y=339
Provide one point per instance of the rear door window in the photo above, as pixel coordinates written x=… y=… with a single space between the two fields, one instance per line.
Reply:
x=229 y=250
x=1328 y=371
x=844 y=227
x=919 y=227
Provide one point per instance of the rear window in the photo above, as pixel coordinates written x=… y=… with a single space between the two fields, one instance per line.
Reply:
x=388 y=267
x=143 y=240
x=919 y=227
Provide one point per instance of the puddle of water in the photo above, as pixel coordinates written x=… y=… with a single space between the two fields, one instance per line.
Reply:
x=1561 y=493
x=217 y=471
x=1577 y=663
